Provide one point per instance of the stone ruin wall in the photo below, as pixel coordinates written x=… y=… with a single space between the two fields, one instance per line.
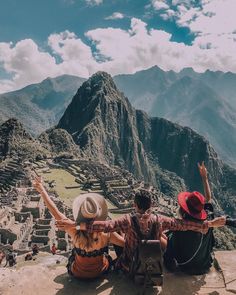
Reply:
x=33 y=221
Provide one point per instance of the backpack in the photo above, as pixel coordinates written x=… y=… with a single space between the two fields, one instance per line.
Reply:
x=11 y=258
x=147 y=261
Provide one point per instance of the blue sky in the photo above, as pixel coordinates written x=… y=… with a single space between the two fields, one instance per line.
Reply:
x=53 y=37
x=38 y=19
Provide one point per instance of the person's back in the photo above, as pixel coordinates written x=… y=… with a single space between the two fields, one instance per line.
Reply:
x=191 y=251
x=11 y=258
x=2 y=256
x=145 y=222
x=90 y=254
x=88 y=260
x=35 y=249
x=53 y=249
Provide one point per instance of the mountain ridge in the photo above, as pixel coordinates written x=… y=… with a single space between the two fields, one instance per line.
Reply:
x=43 y=104
x=187 y=87
x=106 y=127
x=39 y=106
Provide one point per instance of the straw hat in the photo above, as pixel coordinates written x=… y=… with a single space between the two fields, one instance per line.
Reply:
x=90 y=206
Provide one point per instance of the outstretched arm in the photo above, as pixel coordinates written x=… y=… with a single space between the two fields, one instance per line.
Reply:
x=38 y=185
x=173 y=224
x=121 y=224
x=117 y=239
x=203 y=173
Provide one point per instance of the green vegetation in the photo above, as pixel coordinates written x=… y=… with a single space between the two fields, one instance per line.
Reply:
x=62 y=179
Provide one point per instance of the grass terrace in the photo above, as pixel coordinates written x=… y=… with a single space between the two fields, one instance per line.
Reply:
x=63 y=179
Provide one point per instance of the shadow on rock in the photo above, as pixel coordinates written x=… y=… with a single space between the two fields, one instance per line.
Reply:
x=113 y=284
x=119 y=284
x=183 y=284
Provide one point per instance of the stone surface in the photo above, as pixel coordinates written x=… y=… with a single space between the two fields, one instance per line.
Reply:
x=46 y=277
x=227 y=262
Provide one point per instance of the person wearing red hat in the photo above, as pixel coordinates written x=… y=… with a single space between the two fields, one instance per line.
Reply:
x=190 y=251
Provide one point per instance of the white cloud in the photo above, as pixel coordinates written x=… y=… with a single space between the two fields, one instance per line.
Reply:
x=26 y=62
x=115 y=15
x=117 y=51
x=159 y=4
x=94 y=2
x=209 y=17
x=77 y=58
x=168 y=14
x=139 y=48
x=187 y=3
x=6 y=85
x=213 y=22
x=216 y=17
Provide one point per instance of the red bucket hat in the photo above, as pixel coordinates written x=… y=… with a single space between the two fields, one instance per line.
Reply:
x=193 y=204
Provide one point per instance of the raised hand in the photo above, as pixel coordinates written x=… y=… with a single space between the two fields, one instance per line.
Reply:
x=38 y=185
x=202 y=170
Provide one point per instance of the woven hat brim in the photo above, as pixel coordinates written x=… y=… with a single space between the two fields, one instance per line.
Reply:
x=100 y=201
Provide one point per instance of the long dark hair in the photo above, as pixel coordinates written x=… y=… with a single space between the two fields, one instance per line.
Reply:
x=186 y=216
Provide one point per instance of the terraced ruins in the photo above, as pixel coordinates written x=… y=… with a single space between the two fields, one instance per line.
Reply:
x=24 y=220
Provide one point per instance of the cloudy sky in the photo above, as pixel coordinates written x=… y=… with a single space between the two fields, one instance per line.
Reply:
x=42 y=38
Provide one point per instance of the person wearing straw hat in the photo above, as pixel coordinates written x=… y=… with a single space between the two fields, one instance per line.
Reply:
x=89 y=257
x=145 y=220
x=190 y=251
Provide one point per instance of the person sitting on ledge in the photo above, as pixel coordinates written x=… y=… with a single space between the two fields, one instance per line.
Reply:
x=28 y=256
x=53 y=249
x=11 y=258
x=35 y=249
x=2 y=256
x=89 y=257
x=145 y=219
x=189 y=251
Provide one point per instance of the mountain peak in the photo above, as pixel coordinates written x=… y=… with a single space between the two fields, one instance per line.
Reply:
x=12 y=124
x=101 y=80
x=100 y=75
x=90 y=101
x=12 y=129
x=188 y=72
x=15 y=141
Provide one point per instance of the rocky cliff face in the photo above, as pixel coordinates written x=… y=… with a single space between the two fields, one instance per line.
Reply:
x=202 y=101
x=106 y=127
x=58 y=141
x=103 y=123
x=15 y=141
